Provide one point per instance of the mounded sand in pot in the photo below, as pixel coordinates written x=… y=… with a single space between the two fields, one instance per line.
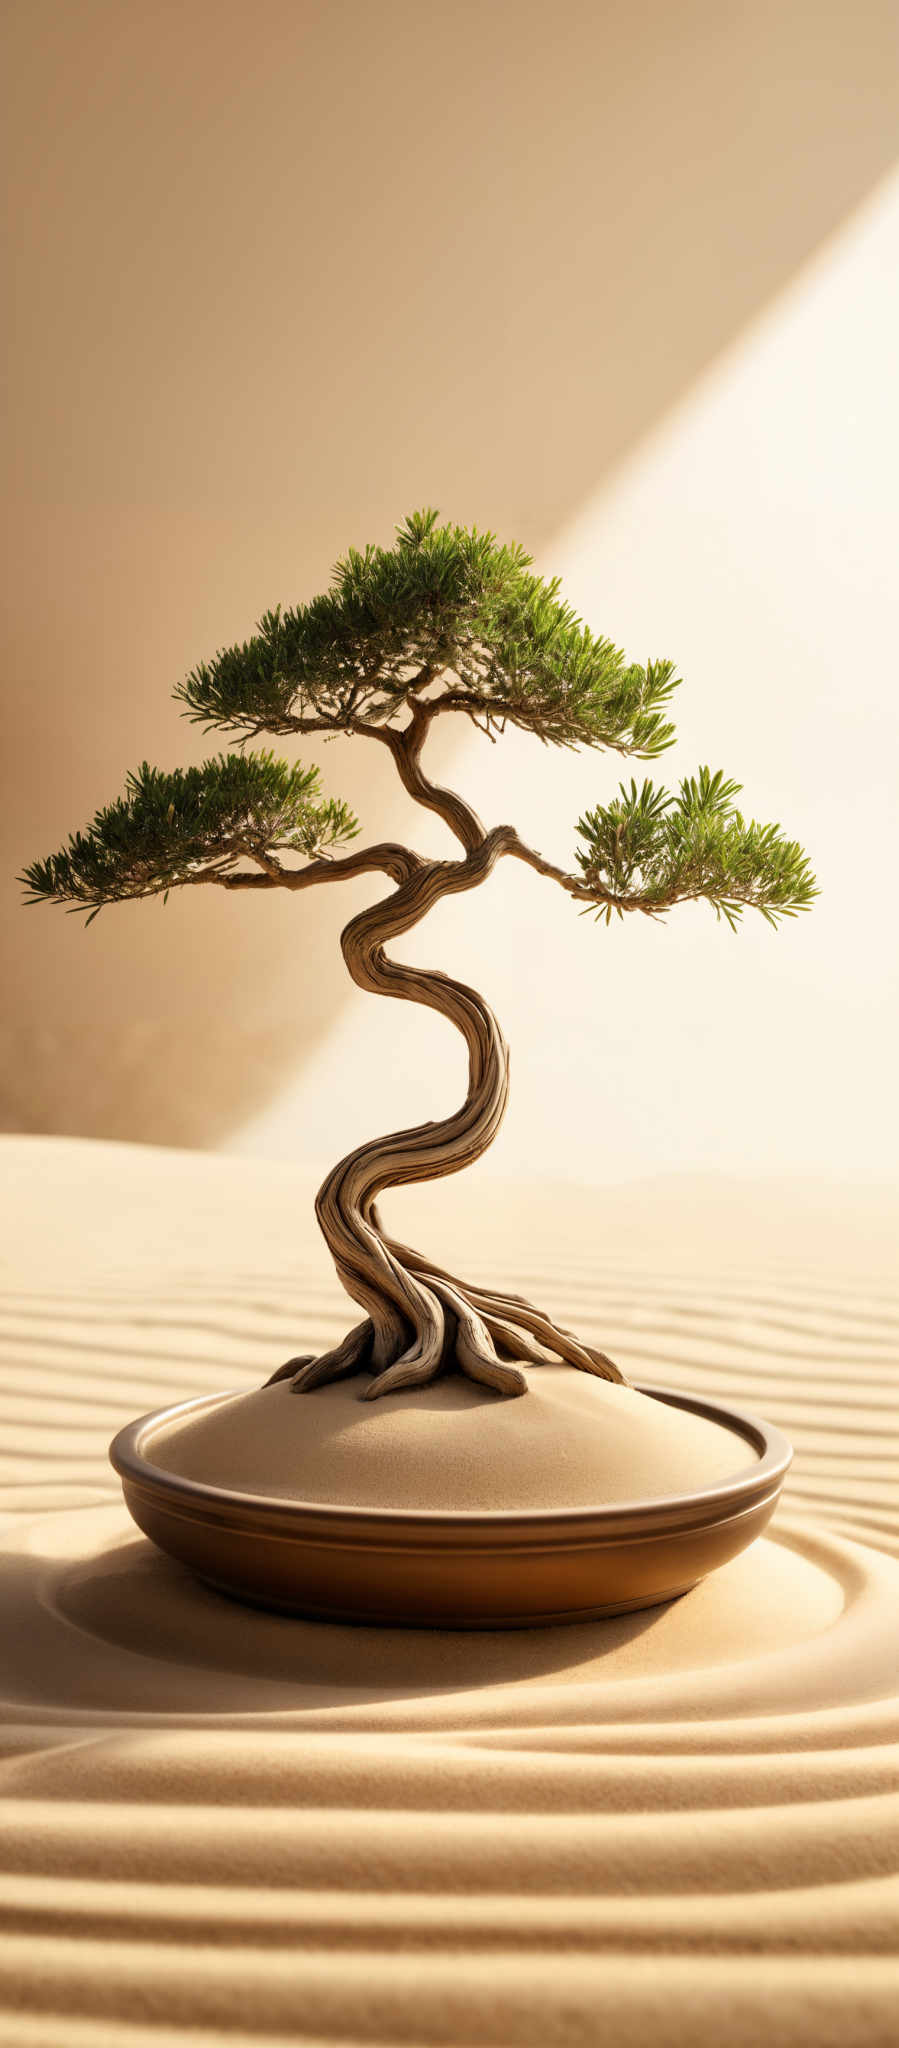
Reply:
x=571 y=1442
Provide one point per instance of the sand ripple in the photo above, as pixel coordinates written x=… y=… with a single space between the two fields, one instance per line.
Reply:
x=674 y=1827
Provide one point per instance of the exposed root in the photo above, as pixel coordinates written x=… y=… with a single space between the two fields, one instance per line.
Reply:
x=346 y=1358
x=487 y=1337
x=511 y=1321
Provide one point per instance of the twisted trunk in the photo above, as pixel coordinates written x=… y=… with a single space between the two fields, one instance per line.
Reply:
x=418 y=1319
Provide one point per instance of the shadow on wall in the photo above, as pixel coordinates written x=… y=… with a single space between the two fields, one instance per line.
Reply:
x=279 y=281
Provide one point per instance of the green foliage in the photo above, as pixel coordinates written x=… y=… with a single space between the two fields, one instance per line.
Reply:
x=446 y=618
x=449 y=611
x=647 y=850
x=195 y=822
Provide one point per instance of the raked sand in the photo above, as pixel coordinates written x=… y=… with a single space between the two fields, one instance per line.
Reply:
x=223 y=1826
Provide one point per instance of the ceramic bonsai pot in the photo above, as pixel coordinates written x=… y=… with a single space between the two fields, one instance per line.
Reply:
x=433 y=1567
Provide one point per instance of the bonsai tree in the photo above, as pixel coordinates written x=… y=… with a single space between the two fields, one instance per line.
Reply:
x=446 y=620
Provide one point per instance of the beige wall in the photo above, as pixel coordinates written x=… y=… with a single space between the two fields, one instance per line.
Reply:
x=282 y=273
x=753 y=530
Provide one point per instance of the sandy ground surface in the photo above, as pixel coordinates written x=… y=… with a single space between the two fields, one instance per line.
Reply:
x=678 y=1826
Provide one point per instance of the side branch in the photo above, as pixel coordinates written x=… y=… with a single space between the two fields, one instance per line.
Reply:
x=601 y=899
x=388 y=858
x=572 y=884
x=397 y=861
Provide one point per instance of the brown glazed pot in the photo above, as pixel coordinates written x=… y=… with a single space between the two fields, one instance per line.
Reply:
x=423 y=1569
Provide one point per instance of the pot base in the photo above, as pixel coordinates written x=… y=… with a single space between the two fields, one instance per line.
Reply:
x=369 y=1619
x=419 y=1568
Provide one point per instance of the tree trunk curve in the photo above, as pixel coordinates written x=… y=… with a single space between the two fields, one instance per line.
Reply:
x=419 y=1320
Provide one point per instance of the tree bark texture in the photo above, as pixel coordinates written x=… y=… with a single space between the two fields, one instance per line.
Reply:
x=419 y=1321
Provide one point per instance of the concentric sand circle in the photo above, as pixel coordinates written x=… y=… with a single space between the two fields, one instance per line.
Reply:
x=224 y=1825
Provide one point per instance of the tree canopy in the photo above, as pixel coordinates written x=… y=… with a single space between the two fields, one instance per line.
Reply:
x=448 y=610
x=446 y=619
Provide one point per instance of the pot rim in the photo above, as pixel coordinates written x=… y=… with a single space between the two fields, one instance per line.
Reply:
x=655 y=1513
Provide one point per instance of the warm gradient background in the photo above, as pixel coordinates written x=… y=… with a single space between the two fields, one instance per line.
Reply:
x=620 y=282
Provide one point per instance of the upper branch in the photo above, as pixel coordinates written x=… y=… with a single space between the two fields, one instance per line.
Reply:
x=406 y=747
